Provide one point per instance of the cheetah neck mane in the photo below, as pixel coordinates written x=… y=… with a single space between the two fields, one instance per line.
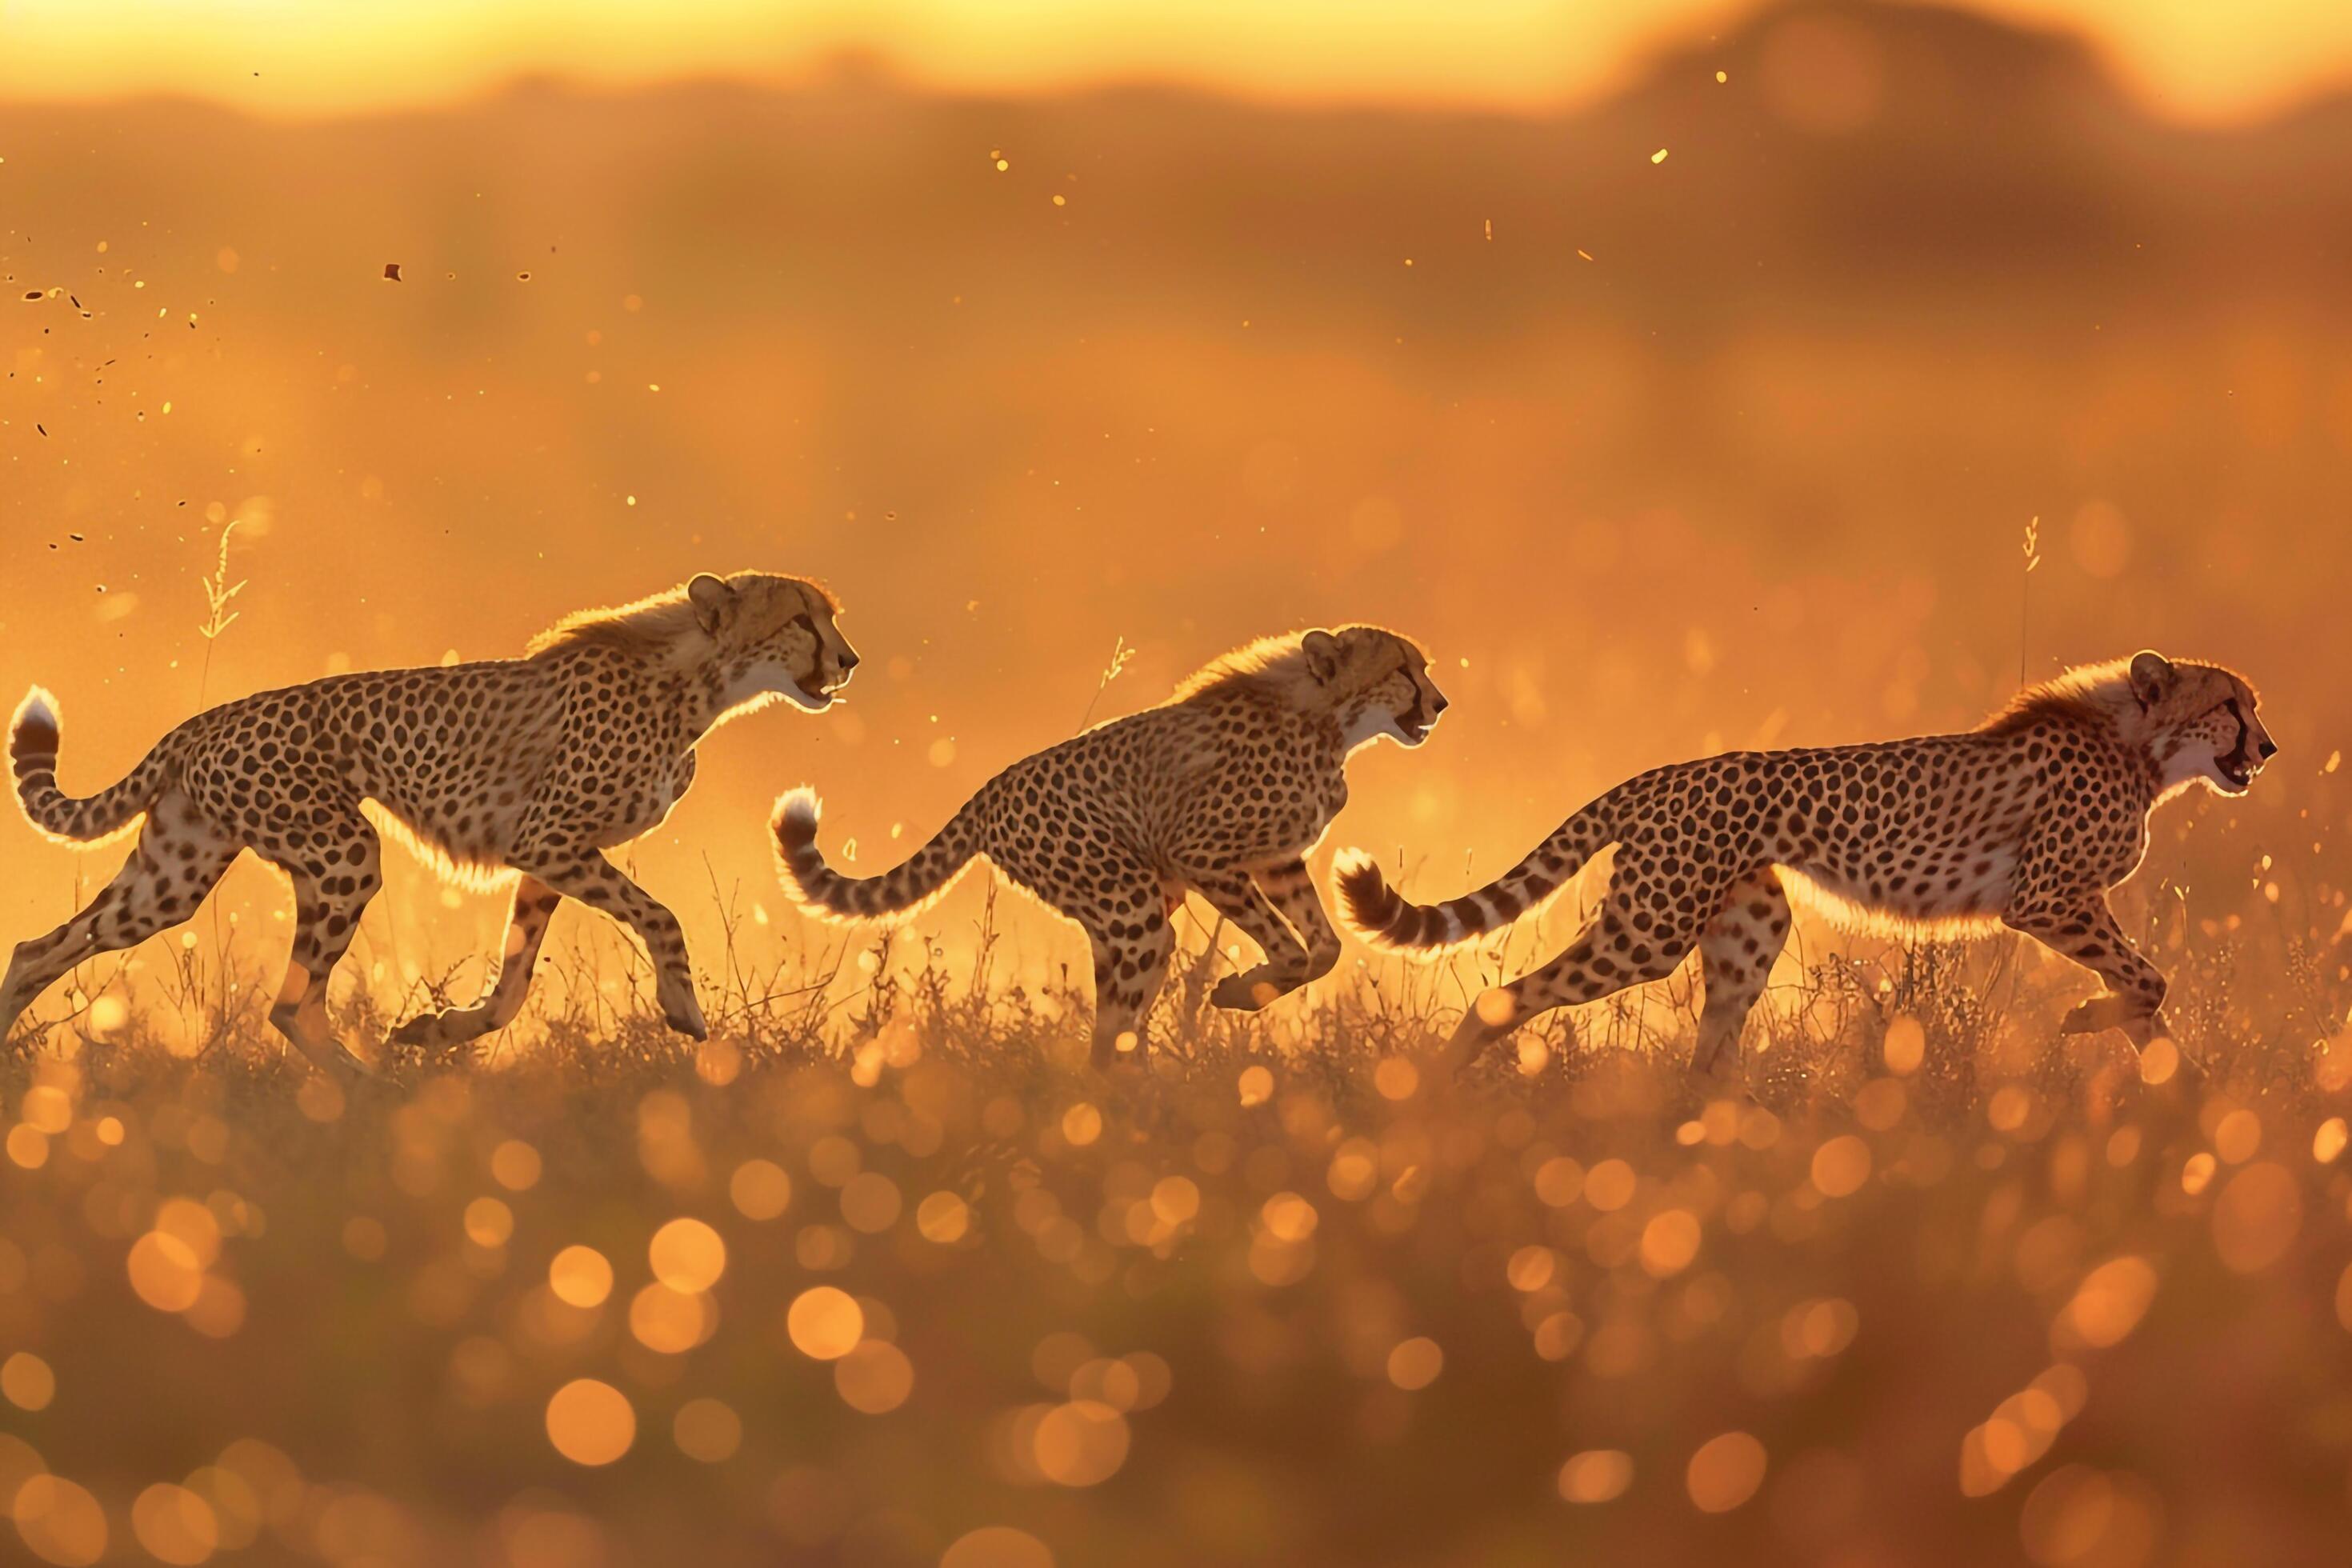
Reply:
x=659 y=629
x=2098 y=694
x=1275 y=666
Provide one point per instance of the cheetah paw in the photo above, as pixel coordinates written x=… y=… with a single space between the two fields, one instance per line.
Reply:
x=438 y=1031
x=2108 y=1011
x=1246 y=993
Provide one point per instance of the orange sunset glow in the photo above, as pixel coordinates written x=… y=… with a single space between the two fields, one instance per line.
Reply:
x=2185 y=58
x=1682 y=378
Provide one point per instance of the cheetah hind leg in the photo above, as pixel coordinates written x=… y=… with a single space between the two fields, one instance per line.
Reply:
x=1128 y=968
x=179 y=858
x=503 y=999
x=1609 y=957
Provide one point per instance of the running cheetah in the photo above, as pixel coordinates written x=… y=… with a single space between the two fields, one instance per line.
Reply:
x=534 y=766
x=1224 y=789
x=2026 y=822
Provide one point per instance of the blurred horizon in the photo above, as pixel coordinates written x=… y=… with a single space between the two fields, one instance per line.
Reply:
x=2184 y=60
x=1658 y=455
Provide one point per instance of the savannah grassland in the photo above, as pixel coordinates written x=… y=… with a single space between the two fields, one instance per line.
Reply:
x=1737 y=448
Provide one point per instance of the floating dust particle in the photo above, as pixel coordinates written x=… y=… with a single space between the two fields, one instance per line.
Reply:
x=392 y=272
x=1659 y=156
x=523 y=277
x=1723 y=76
x=1586 y=253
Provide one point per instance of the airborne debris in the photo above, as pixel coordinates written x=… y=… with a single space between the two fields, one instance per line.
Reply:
x=1659 y=156
x=392 y=272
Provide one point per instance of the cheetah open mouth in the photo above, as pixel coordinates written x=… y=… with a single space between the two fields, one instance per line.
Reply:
x=2238 y=769
x=818 y=693
x=1415 y=723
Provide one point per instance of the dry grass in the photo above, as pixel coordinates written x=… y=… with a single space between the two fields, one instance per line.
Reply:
x=1170 y=1320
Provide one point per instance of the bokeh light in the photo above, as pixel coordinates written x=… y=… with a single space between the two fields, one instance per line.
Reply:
x=591 y=1422
x=826 y=1324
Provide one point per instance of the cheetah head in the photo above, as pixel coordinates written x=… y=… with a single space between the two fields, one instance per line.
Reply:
x=773 y=637
x=2198 y=723
x=1376 y=683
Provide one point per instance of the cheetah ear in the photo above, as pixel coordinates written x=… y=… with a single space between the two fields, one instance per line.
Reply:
x=2152 y=676
x=1323 y=656
x=711 y=599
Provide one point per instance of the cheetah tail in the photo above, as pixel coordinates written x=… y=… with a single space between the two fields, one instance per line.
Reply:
x=823 y=891
x=1381 y=915
x=33 y=753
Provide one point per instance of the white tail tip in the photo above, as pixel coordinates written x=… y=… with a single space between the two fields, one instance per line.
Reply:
x=39 y=706
x=797 y=808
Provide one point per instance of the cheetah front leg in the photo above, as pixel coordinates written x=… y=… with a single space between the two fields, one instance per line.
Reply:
x=527 y=921
x=1736 y=953
x=1237 y=897
x=1291 y=891
x=2085 y=929
x=596 y=882
x=334 y=881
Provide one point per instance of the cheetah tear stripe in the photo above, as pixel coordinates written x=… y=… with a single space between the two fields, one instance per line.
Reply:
x=823 y=891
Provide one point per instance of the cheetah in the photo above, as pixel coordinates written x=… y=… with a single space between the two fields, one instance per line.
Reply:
x=530 y=767
x=2025 y=822
x=1225 y=789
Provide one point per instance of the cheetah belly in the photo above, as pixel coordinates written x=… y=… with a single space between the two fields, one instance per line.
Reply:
x=1947 y=891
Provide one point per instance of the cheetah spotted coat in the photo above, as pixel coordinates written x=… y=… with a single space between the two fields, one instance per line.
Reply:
x=1222 y=790
x=534 y=766
x=2027 y=821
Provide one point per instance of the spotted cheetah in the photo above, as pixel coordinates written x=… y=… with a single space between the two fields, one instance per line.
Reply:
x=1224 y=789
x=2025 y=821
x=534 y=766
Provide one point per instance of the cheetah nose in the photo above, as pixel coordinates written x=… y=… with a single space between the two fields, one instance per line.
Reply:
x=848 y=661
x=1438 y=703
x=2269 y=748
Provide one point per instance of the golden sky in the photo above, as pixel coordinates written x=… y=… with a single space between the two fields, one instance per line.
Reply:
x=2200 y=59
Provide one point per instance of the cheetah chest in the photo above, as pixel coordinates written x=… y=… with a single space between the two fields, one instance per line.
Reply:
x=645 y=802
